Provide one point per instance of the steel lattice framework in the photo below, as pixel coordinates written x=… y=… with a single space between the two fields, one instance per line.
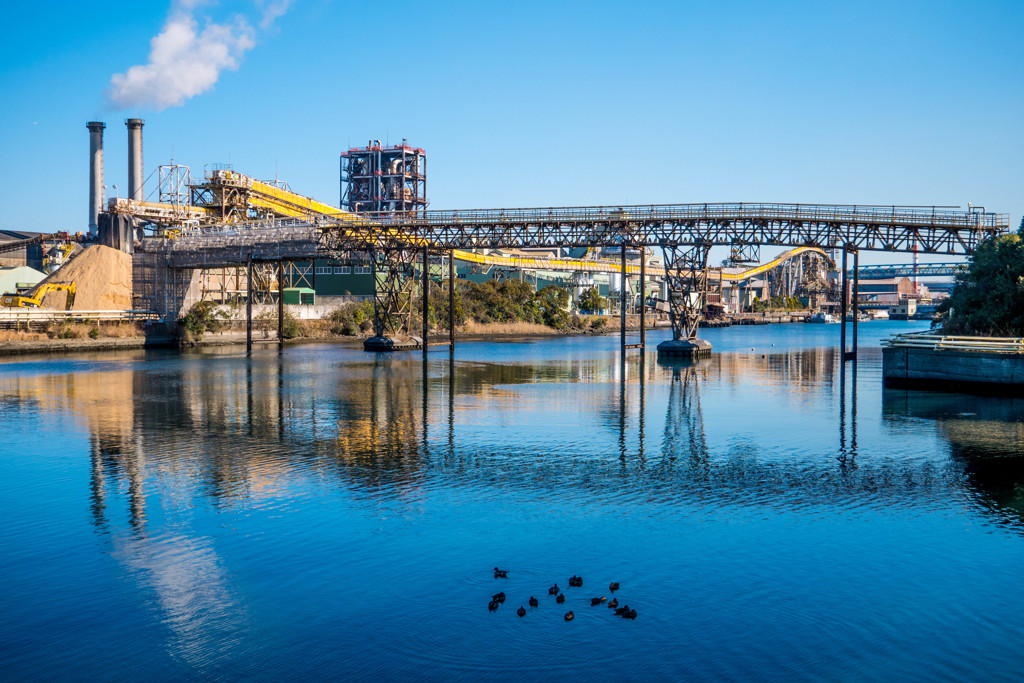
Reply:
x=884 y=228
x=885 y=271
x=685 y=232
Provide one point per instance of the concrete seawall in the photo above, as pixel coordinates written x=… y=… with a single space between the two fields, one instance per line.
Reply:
x=951 y=369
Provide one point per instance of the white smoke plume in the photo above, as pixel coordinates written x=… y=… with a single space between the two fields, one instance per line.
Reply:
x=272 y=10
x=186 y=60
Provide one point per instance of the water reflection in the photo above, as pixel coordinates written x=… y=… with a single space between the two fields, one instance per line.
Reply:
x=736 y=429
x=985 y=436
x=848 y=451
x=684 y=424
x=258 y=505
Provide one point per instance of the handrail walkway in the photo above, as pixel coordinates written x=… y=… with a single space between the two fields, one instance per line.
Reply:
x=947 y=216
x=22 y=317
x=891 y=270
x=893 y=228
x=935 y=340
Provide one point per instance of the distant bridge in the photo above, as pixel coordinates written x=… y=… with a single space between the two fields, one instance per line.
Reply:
x=888 y=271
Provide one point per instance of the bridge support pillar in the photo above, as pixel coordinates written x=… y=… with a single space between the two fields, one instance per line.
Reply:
x=392 y=300
x=624 y=286
x=248 y=306
x=643 y=298
x=280 y=304
x=686 y=271
x=451 y=299
x=852 y=300
x=426 y=295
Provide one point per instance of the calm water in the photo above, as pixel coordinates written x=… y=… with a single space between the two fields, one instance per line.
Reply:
x=327 y=513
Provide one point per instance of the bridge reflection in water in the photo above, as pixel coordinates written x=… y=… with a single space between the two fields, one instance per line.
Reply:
x=202 y=474
x=986 y=441
x=775 y=429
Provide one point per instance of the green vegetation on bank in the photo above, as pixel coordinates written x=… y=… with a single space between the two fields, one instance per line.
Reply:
x=351 y=319
x=494 y=301
x=988 y=299
x=505 y=301
x=591 y=301
x=777 y=303
x=203 y=317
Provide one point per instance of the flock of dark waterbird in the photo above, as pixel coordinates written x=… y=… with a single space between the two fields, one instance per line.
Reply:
x=574 y=582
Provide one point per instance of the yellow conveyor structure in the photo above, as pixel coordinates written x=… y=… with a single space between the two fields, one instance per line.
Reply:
x=535 y=263
x=163 y=213
x=273 y=199
x=774 y=263
x=269 y=198
x=287 y=203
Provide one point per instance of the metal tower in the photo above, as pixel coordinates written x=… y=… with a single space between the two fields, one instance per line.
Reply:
x=384 y=179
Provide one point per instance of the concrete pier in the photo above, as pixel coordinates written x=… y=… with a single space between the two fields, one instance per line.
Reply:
x=684 y=348
x=952 y=369
x=392 y=344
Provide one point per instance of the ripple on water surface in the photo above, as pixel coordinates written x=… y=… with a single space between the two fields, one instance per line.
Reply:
x=324 y=512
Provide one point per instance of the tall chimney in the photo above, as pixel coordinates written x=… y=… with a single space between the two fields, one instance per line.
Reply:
x=95 y=172
x=135 y=159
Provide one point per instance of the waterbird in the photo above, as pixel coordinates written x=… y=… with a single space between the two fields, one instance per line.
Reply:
x=613 y=604
x=569 y=616
x=631 y=614
x=596 y=601
x=498 y=597
x=622 y=610
x=575 y=581
x=613 y=586
x=553 y=590
x=500 y=573
x=560 y=599
x=492 y=605
x=533 y=601
x=521 y=611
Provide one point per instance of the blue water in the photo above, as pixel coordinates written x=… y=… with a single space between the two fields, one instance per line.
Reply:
x=325 y=513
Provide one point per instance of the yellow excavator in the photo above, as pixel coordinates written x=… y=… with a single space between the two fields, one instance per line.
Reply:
x=26 y=301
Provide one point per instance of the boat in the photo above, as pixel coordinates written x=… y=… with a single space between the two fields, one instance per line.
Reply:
x=822 y=317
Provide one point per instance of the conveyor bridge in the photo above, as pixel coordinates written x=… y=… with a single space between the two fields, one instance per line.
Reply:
x=684 y=232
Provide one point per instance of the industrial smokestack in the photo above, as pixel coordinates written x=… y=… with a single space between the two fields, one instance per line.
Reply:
x=135 y=159
x=95 y=172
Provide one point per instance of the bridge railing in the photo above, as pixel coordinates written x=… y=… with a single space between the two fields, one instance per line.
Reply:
x=300 y=226
x=22 y=317
x=939 y=342
x=922 y=215
x=887 y=270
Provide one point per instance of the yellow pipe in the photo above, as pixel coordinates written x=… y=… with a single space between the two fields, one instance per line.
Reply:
x=764 y=267
x=292 y=204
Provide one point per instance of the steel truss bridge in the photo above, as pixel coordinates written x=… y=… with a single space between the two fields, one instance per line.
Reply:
x=887 y=271
x=684 y=232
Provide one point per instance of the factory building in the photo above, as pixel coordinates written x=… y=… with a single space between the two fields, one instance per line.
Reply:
x=31 y=255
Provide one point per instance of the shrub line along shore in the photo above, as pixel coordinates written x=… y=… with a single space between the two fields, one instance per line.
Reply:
x=30 y=344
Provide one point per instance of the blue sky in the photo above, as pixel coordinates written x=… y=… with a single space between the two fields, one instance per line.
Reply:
x=542 y=104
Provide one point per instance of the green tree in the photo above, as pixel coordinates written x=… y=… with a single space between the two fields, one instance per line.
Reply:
x=988 y=299
x=591 y=300
x=553 y=302
x=204 y=317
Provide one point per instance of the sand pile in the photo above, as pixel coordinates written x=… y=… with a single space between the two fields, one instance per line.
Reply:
x=102 y=276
